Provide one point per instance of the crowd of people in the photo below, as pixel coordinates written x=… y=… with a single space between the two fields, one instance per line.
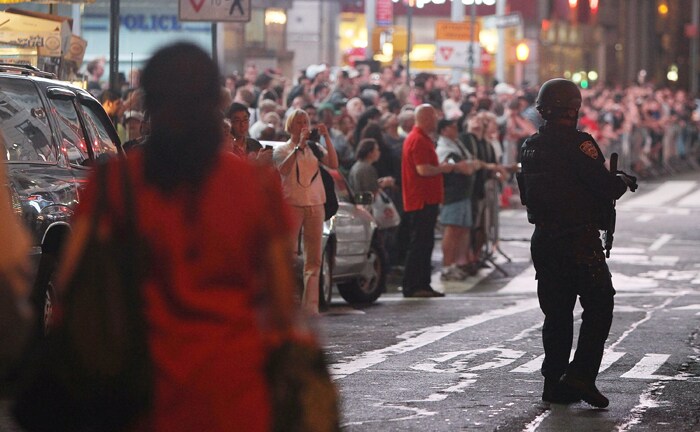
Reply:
x=440 y=150
x=368 y=115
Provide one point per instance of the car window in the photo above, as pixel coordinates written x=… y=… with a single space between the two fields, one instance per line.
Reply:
x=103 y=144
x=72 y=135
x=24 y=130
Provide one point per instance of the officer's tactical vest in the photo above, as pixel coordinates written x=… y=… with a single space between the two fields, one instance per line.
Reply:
x=549 y=185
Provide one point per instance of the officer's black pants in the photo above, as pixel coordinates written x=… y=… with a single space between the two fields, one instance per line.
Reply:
x=571 y=264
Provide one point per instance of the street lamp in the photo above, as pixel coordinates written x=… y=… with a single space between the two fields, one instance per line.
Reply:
x=522 y=53
x=409 y=16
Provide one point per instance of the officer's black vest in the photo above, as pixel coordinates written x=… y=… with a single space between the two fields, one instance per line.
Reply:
x=554 y=196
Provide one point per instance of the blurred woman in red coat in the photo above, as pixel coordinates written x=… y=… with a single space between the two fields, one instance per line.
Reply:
x=219 y=251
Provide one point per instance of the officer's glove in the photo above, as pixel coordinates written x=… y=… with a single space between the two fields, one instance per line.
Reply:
x=630 y=181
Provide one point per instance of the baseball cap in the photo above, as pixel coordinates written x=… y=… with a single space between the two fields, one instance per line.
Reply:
x=328 y=106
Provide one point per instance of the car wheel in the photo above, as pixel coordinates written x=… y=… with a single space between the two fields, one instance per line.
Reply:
x=45 y=293
x=368 y=287
x=325 y=280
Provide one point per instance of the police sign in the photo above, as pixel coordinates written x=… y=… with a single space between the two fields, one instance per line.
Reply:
x=215 y=10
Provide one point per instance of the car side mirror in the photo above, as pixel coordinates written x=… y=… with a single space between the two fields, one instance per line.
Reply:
x=364 y=198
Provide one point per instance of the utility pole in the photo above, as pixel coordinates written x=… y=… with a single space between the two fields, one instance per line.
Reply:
x=457 y=15
x=409 y=42
x=472 y=40
x=371 y=23
x=501 y=51
x=114 y=46
x=694 y=46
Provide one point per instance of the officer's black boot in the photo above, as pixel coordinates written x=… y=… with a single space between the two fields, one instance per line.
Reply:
x=587 y=390
x=555 y=392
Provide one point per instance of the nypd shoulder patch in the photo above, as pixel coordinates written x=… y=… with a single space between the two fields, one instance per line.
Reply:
x=589 y=149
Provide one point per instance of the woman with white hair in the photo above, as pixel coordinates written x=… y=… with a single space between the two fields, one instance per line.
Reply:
x=303 y=189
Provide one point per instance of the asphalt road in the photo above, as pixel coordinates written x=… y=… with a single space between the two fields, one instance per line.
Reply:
x=470 y=361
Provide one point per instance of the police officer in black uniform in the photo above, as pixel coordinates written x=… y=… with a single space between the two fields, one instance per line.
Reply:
x=569 y=195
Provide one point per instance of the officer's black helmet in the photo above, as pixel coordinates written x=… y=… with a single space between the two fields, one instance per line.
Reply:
x=558 y=97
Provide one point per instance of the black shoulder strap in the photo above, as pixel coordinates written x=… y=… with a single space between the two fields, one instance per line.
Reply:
x=296 y=162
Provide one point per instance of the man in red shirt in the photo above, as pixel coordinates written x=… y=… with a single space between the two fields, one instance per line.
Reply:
x=421 y=176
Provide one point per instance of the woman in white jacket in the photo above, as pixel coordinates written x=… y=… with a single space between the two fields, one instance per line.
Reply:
x=303 y=189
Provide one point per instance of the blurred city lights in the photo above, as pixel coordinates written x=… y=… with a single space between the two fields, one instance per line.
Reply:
x=275 y=16
x=522 y=52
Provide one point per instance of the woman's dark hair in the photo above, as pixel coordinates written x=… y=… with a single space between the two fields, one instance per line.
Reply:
x=369 y=114
x=182 y=94
x=385 y=164
x=365 y=147
x=374 y=131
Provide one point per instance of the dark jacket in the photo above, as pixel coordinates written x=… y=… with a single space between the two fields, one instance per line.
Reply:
x=564 y=181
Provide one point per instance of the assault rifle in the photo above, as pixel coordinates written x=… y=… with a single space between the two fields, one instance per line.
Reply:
x=631 y=181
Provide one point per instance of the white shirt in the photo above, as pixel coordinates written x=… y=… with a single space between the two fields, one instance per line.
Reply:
x=303 y=185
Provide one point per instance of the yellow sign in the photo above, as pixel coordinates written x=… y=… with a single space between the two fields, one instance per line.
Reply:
x=460 y=31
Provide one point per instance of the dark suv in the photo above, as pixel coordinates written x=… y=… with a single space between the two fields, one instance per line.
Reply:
x=51 y=133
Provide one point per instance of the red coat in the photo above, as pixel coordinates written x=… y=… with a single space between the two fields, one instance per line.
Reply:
x=206 y=345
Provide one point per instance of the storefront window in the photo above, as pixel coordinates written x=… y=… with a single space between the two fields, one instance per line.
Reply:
x=255 y=29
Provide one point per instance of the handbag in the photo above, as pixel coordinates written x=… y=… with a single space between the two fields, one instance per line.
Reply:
x=304 y=398
x=384 y=211
x=330 y=207
x=93 y=371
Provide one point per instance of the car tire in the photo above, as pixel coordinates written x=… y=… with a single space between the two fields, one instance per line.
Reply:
x=364 y=290
x=45 y=293
x=325 y=279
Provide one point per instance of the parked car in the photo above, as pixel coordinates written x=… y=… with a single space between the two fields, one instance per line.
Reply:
x=51 y=133
x=353 y=258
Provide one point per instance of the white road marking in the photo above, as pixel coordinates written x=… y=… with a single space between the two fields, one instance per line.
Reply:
x=662 y=240
x=534 y=365
x=531 y=366
x=523 y=283
x=646 y=318
x=609 y=357
x=646 y=400
x=424 y=337
x=644 y=218
x=689 y=307
x=692 y=200
x=663 y=194
x=658 y=260
x=417 y=413
x=645 y=368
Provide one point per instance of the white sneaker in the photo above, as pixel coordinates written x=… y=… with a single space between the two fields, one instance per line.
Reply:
x=452 y=273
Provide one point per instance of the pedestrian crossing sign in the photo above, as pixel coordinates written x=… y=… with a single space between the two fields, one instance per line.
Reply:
x=215 y=10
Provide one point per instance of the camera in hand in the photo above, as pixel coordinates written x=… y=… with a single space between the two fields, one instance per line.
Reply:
x=314 y=135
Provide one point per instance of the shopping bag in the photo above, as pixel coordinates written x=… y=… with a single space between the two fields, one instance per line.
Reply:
x=384 y=211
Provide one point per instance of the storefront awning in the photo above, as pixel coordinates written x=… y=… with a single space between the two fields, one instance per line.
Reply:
x=47 y=1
